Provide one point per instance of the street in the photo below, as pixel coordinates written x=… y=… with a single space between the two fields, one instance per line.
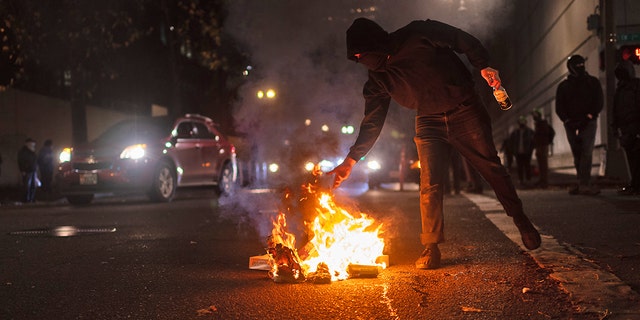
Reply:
x=188 y=259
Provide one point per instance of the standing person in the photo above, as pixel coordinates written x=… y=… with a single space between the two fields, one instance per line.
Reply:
x=522 y=145
x=417 y=66
x=626 y=121
x=508 y=153
x=579 y=100
x=543 y=135
x=27 y=163
x=45 y=165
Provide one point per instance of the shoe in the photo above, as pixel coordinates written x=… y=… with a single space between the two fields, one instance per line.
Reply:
x=528 y=233
x=430 y=258
x=574 y=190
x=588 y=190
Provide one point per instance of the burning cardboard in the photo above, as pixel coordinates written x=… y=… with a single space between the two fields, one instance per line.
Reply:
x=341 y=244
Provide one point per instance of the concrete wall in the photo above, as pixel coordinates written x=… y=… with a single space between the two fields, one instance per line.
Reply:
x=25 y=115
x=545 y=34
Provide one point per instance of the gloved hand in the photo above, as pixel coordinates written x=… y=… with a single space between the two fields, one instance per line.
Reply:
x=491 y=76
x=342 y=171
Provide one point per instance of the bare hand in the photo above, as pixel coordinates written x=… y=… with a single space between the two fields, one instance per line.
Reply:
x=491 y=76
x=342 y=171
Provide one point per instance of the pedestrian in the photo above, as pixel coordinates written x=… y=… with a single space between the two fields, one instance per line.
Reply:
x=27 y=163
x=508 y=153
x=474 y=180
x=543 y=135
x=452 y=183
x=417 y=66
x=521 y=141
x=45 y=165
x=626 y=121
x=579 y=100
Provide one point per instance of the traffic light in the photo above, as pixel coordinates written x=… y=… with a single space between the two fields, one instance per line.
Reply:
x=630 y=52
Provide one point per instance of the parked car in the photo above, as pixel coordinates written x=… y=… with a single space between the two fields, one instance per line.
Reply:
x=153 y=155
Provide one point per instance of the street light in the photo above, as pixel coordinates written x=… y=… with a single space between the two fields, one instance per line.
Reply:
x=269 y=94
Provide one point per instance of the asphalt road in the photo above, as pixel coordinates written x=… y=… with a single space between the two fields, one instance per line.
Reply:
x=188 y=259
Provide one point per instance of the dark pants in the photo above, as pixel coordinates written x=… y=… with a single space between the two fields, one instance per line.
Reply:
x=523 y=161
x=467 y=129
x=542 y=155
x=630 y=141
x=581 y=142
x=30 y=185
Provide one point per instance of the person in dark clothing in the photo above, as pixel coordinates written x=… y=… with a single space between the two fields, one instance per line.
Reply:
x=542 y=137
x=417 y=66
x=27 y=163
x=579 y=100
x=452 y=183
x=45 y=165
x=508 y=153
x=521 y=141
x=626 y=121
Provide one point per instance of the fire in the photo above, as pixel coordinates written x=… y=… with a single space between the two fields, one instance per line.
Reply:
x=338 y=241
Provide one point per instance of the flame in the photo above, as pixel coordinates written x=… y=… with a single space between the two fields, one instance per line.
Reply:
x=337 y=238
x=340 y=239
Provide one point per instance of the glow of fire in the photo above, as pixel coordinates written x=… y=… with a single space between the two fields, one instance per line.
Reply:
x=337 y=239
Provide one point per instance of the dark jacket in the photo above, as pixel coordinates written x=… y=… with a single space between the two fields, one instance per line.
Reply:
x=27 y=160
x=576 y=97
x=626 y=103
x=543 y=133
x=422 y=71
x=626 y=106
x=527 y=141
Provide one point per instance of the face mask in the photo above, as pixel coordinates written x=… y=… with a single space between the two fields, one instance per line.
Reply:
x=373 y=61
x=577 y=70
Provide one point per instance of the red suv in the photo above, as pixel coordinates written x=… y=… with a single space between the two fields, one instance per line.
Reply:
x=152 y=155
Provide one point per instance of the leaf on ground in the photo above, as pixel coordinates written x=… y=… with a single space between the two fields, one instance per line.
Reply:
x=209 y=310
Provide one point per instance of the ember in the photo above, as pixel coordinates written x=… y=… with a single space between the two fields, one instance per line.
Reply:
x=340 y=245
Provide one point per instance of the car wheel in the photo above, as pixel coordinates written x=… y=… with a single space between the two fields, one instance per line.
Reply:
x=163 y=186
x=226 y=183
x=80 y=199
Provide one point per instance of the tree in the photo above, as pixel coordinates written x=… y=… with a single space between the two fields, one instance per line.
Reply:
x=97 y=51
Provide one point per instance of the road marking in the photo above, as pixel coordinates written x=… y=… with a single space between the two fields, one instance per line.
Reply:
x=592 y=289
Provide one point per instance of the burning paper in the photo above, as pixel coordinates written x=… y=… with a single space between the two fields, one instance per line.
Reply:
x=341 y=244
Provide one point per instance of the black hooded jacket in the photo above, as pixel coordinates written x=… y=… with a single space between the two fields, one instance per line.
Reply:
x=576 y=97
x=626 y=103
x=422 y=71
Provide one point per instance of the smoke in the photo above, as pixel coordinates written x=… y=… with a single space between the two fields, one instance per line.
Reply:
x=297 y=48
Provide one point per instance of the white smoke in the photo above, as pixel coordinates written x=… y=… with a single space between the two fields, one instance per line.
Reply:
x=298 y=49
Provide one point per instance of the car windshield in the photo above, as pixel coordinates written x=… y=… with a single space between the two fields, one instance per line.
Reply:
x=140 y=129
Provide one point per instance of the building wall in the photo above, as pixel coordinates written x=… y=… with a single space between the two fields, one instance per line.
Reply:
x=544 y=35
x=26 y=115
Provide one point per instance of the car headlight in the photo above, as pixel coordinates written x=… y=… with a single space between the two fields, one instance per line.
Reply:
x=309 y=166
x=374 y=165
x=133 y=152
x=65 y=155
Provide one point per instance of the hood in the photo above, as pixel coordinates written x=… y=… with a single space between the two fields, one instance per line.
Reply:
x=575 y=64
x=365 y=35
x=625 y=71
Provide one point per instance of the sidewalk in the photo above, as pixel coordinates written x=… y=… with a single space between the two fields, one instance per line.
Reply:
x=561 y=179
